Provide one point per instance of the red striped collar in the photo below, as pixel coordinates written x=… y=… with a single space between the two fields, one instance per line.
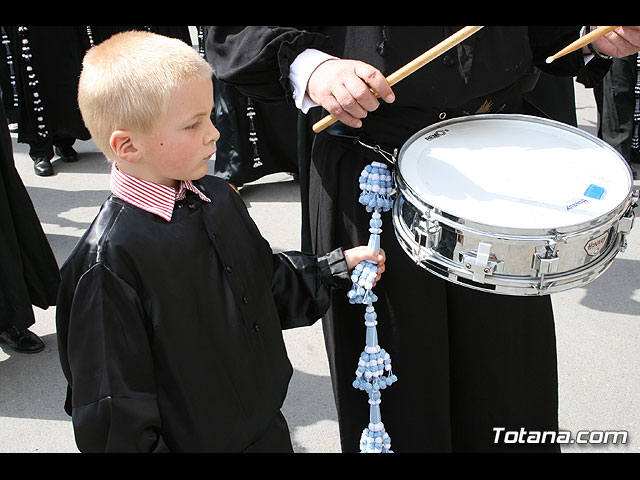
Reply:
x=149 y=196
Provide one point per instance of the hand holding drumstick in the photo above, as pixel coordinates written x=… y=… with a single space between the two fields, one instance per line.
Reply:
x=348 y=89
x=344 y=89
x=620 y=42
x=614 y=41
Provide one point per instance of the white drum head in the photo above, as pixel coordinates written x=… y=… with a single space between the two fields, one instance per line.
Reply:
x=514 y=171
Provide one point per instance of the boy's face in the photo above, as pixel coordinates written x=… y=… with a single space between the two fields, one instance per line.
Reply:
x=181 y=145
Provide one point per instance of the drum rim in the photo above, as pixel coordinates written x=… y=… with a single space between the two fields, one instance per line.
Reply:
x=401 y=182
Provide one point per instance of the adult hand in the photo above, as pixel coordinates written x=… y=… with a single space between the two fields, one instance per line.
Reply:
x=620 y=42
x=344 y=89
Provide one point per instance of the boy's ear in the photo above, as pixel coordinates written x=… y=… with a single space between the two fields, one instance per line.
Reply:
x=121 y=143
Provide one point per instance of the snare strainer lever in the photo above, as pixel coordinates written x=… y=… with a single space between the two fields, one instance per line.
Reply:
x=480 y=262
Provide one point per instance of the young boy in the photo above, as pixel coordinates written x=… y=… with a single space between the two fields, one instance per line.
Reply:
x=172 y=305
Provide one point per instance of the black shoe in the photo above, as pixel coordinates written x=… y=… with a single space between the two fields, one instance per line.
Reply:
x=24 y=341
x=66 y=153
x=42 y=166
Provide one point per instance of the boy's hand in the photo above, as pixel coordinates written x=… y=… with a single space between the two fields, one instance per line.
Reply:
x=355 y=255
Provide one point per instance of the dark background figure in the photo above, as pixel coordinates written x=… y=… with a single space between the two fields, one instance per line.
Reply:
x=47 y=62
x=29 y=274
x=99 y=33
x=8 y=80
x=256 y=138
x=260 y=138
x=618 y=101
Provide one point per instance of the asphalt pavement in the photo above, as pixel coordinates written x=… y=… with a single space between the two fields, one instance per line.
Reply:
x=598 y=326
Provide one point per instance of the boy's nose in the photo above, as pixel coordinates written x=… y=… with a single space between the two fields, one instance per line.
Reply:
x=213 y=134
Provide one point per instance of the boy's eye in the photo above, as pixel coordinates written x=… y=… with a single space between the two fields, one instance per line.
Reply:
x=192 y=126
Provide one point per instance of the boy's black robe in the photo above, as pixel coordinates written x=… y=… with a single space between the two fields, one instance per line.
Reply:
x=170 y=332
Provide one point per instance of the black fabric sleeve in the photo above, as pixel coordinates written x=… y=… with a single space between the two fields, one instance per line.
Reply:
x=548 y=40
x=256 y=59
x=303 y=283
x=114 y=403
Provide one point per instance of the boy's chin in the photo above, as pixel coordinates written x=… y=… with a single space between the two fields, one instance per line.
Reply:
x=201 y=172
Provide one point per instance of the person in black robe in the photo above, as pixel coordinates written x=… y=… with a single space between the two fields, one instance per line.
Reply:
x=618 y=100
x=258 y=139
x=47 y=62
x=8 y=81
x=172 y=305
x=29 y=274
x=255 y=138
x=467 y=362
x=99 y=33
x=170 y=333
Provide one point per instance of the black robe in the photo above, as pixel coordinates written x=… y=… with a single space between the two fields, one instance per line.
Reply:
x=29 y=272
x=8 y=79
x=255 y=138
x=467 y=362
x=616 y=98
x=99 y=33
x=48 y=61
x=170 y=333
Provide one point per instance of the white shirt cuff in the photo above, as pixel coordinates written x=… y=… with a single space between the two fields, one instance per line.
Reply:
x=587 y=56
x=299 y=73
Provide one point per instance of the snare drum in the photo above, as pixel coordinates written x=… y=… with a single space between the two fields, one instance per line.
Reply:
x=512 y=204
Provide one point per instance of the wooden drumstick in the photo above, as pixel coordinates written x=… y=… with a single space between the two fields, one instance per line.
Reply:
x=411 y=67
x=581 y=42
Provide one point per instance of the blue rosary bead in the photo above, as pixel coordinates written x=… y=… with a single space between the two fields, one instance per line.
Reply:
x=375 y=222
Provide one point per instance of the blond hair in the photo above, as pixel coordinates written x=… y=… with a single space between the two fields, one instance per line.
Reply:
x=127 y=81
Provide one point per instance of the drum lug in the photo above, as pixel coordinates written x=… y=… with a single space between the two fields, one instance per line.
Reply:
x=546 y=261
x=427 y=233
x=481 y=262
x=543 y=265
x=625 y=224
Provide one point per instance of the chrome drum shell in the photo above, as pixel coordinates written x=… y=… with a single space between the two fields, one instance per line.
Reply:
x=513 y=260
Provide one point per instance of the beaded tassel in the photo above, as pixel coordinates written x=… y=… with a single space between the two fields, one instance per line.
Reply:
x=12 y=73
x=374 y=366
x=635 y=139
x=253 y=134
x=32 y=81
